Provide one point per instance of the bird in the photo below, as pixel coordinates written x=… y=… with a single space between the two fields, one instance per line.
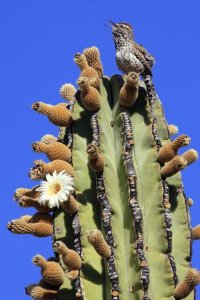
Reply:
x=130 y=56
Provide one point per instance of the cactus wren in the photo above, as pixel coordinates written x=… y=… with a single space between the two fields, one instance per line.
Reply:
x=130 y=56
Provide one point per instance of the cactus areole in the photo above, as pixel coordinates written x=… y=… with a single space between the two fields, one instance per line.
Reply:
x=126 y=220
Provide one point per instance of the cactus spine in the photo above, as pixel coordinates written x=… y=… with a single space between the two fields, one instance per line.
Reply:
x=116 y=233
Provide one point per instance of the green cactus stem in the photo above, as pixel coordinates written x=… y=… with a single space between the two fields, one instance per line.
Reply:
x=128 y=219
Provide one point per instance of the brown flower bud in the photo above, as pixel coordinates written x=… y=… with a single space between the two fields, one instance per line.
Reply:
x=93 y=58
x=68 y=91
x=129 y=91
x=51 y=271
x=53 y=151
x=90 y=97
x=29 y=198
x=41 y=168
x=172 y=129
x=96 y=159
x=168 y=151
x=189 y=202
x=185 y=287
x=58 y=114
x=48 y=139
x=191 y=156
x=38 y=225
x=96 y=239
x=196 y=232
x=71 y=259
x=71 y=205
x=42 y=291
x=173 y=166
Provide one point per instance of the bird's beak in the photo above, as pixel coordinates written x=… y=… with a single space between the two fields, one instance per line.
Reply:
x=111 y=24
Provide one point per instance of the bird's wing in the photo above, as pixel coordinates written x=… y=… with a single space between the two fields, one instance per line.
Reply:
x=142 y=59
x=145 y=53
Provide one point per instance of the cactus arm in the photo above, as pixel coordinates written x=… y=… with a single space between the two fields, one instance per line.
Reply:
x=89 y=210
x=133 y=263
x=111 y=180
x=182 y=243
x=147 y=169
x=77 y=137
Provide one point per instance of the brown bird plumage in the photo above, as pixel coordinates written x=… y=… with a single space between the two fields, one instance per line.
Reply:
x=130 y=56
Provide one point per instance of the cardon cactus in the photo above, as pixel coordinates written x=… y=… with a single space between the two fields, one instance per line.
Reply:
x=112 y=193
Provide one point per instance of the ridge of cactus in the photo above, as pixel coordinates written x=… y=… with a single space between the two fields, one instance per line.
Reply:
x=111 y=195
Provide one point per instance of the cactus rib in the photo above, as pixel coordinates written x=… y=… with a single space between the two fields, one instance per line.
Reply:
x=178 y=197
x=106 y=215
x=136 y=210
x=152 y=98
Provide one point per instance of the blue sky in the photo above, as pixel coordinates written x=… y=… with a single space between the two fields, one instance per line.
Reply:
x=38 y=42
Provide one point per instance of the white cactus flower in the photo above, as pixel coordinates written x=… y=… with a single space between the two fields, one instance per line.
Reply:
x=56 y=189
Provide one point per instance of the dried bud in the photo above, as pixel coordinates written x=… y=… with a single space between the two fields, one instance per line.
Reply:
x=71 y=259
x=53 y=151
x=57 y=114
x=38 y=225
x=93 y=58
x=172 y=129
x=181 y=141
x=68 y=91
x=189 y=202
x=129 y=91
x=96 y=159
x=97 y=240
x=48 y=139
x=196 y=232
x=90 y=96
x=51 y=271
x=41 y=168
x=166 y=153
x=173 y=166
x=71 y=205
x=42 y=291
x=191 y=156
x=185 y=287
